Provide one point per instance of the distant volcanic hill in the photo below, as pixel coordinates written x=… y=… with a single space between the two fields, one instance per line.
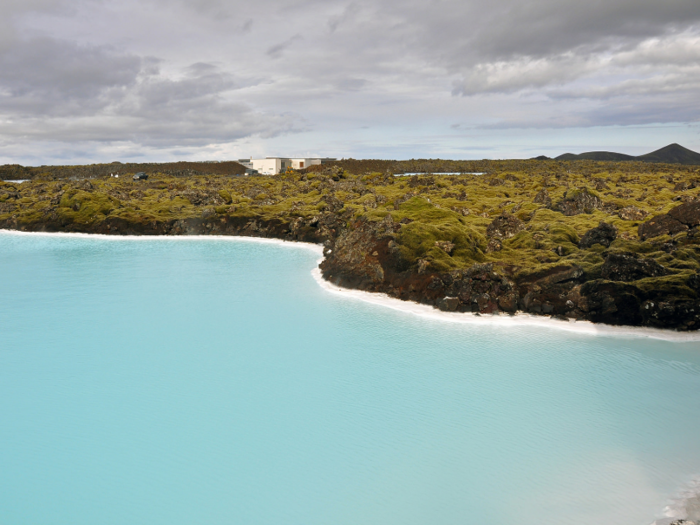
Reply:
x=671 y=154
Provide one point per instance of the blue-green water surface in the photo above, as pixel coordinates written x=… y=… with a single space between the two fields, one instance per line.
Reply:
x=172 y=381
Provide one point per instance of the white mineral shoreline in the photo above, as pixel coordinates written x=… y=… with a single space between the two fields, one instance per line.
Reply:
x=410 y=307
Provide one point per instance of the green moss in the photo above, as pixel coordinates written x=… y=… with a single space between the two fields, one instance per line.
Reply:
x=676 y=284
x=417 y=241
x=86 y=207
x=548 y=238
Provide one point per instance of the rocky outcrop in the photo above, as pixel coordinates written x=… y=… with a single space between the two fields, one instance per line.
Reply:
x=627 y=267
x=504 y=226
x=632 y=213
x=688 y=213
x=603 y=234
x=445 y=246
x=369 y=258
x=543 y=198
x=660 y=225
x=353 y=257
x=680 y=218
x=578 y=201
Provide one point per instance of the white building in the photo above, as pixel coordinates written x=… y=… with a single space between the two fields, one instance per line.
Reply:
x=275 y=165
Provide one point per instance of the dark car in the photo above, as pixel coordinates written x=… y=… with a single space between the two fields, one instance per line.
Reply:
x=141 y=176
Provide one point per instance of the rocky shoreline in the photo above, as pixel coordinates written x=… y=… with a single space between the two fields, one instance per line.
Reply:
x=364 y=257
x=369 y=252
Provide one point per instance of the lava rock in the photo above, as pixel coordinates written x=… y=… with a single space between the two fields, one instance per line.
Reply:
x=628 y=267
x=578 y=201
x=694 y=282
x=448 y=304
x=688 y=213
x=660 y=225
x=445 y=246
x=603 y=234
x=494 y=245
x=504 y=226
x=543 y=197
x=632 y=213
x=679 y=219
x=612 y=302
x=685 y=185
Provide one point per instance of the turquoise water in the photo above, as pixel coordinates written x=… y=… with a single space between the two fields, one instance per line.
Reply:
x=206 y=381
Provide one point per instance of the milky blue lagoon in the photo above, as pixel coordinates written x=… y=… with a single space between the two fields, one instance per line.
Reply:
x=176 y=381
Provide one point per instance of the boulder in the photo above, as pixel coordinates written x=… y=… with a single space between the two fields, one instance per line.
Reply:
x=660 y=225
x=688 y=213
x=508 y=302
x=632 y=213
x=602 y=234
x=578 y=201
x=680 y=218
x=494 y=245
x=445 y=246
x=694 y=282
x=558 y=274
x=448 y=304
x=504 y=226
x=628 y=267
x=611 y=302
x=543 y=198
x=423 y=265
x=685 y=185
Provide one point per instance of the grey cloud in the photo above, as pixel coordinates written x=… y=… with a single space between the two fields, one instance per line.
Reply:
x=415 y=64
x=277 y=50
x=47 y=76
x=509 y=77
x=502 y=30
x=660 y=110
x=350 y=84
x=337 y=20
x=247 y=26
x=658 y=85
x=57 y=90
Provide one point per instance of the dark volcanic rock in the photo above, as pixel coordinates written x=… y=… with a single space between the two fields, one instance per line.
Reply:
x=685 y=185
x=612 y=302
x=679 y=219
x=494 y=245
x=632 y=213
x=352 y=261
x=602 y=234
x=630 y=267
x=660 y=225
x=543 y=197
x=578 y=201
x=554 y=275
x=688 y=213
x=448 y=304
x=694 y=282
x=445 y=246
x=504 y=226
x=671 y=312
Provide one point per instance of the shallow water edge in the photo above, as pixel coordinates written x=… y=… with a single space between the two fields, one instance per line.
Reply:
x=410 y=307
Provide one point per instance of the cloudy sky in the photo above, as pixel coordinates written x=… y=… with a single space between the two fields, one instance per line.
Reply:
x=100 y=80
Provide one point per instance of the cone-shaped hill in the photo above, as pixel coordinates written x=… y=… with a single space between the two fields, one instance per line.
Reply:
x=671 y=154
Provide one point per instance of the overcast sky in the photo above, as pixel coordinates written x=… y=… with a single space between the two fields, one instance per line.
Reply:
x=148 y=80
